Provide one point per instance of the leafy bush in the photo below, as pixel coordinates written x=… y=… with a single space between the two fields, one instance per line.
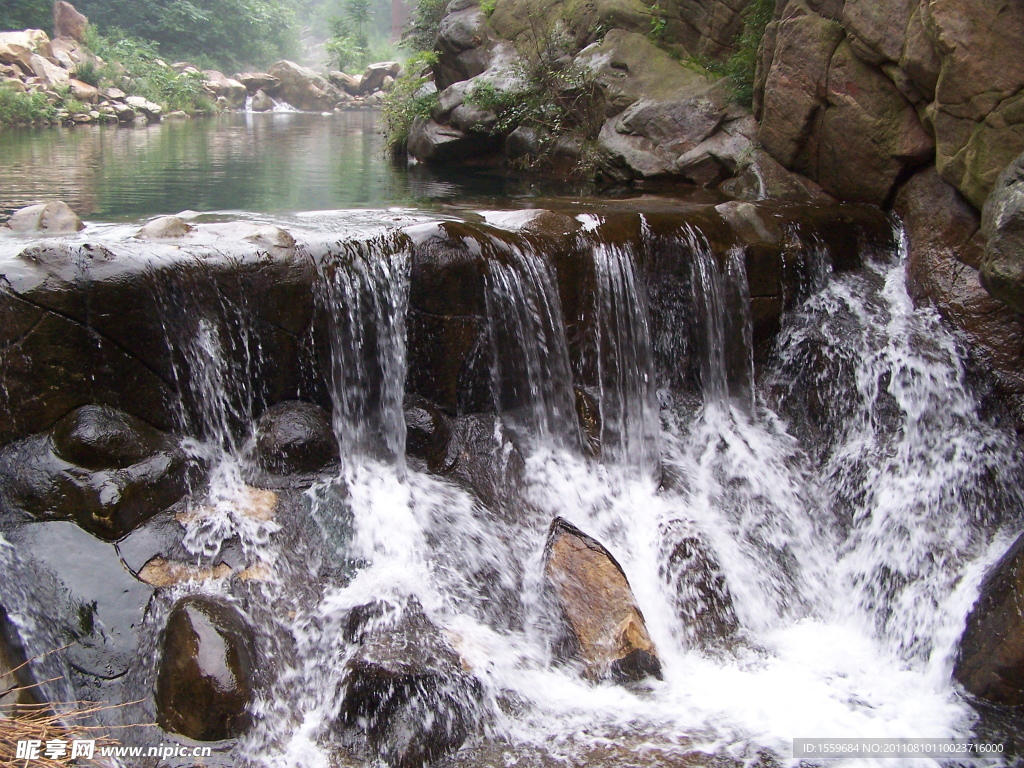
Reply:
x=88 y=72
x=742 y=65
x=135 y=66
x=424 y=22
x=407 y=101
x=18 y=108
x=26 y=14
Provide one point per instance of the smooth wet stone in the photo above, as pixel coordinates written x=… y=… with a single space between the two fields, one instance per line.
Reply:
x=603 y=627
x=427 y=431
x=405 y=685
x=84 y=592
x=990 y=661
x=295 y=438
x=207 y=674
x=102 y=437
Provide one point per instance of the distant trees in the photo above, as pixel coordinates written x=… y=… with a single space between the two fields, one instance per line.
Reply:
x=26 y=14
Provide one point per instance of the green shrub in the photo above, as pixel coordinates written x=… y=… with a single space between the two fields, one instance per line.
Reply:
x=88 y=72
x=742 y=65
x=424 y=22
x=488 y=6
x=19 y=108
x=135 y=66
x=405 y=102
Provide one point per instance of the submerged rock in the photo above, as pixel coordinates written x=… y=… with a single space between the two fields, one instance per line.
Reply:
x=990 y=662
x=405 y=685
x=54 y=218
x=603 y=626
x=294 y=438
x=207 y=671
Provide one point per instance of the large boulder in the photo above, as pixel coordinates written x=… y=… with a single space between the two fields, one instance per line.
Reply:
x=53 y=218
x=256 y=81
x=219 y=85
x=103 y=468
x=19 y=47
x=602 y=625
x=303 y=88
x=405 y=686
x=990 y=661
x=433 y=143
x=51 y=76
x=68 y=22
x=373 y=78
x=207 y=674
x=82 y=594
x=294 y=438
x=1002 y=270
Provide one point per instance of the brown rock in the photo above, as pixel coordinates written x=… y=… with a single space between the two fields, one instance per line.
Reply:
x=373 y=77
x=261 y=102
x=49 y=74
x=303 y=88
x=164 y=227
x=604 y=628
x=159 y=572
x=84 y=92
x=207 y=671
x=18 y=48
x=255 y=81
x=942 y=270
x=68 y=22
x=990 y=661
x=222 y=86
x=351 y=84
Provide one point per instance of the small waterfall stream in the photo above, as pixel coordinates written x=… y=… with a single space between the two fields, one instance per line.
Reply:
x=804 y=538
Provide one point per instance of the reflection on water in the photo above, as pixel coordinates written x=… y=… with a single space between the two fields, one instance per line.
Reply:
x=270 y=163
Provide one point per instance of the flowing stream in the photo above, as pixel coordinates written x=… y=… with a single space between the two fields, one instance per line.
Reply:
x=804 y=540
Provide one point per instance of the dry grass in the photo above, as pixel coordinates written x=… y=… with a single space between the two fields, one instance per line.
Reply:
x=43 y=722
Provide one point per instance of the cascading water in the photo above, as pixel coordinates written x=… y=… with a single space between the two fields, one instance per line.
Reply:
x=804 y=566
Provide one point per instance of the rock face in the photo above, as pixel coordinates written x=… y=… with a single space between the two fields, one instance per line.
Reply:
x=294 y=438
x=405 y=686
x=54 y=218
x=303 y=88
x=604 y=628
x=219 y=85
x=19 y=47
x=1002 y=269
x=854 y=95
x=207 y=671
x=703 y=600
x=990 y=662
x=68 y=22
x=946 y=248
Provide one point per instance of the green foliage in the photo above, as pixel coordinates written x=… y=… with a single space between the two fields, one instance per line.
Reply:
x=351 y=46
x=135 y=66
x=488 y=6
x=88 y=72
x=234 y=34
x=424 y=22
x=26 y=14
x=658 y=22
x=18 y=108
x=407 y=99
x=742 y=65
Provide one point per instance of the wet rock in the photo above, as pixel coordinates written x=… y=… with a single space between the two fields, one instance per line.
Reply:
x=588 y=411
x=218 y=84
x=261 y=102
x=68 y=22
x=257 y=81
x=294 y=438
x=483 y=459
x=990 y=661
x=427 y=432
x=129 y=472
x=373 y=78
x=165 y=228
x=759 y=176
x=945 y=249
x=167 y=573
x=405 y=686
x=603 y=627
x=101 y=437
x=54 y=218
x=1002 y=270
x=699 y=589
x=303 y=88
x=207 y=673
x=431 y=142
x=83 y=592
